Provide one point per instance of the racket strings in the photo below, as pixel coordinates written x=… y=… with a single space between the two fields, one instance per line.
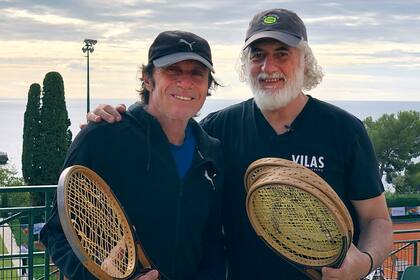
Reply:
x=297 y=225
x=97 y=225
x=297 y=213
x=267 y=169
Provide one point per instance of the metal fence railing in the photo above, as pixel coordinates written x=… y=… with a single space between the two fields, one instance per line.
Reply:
x=405 y=253
x=22 y=256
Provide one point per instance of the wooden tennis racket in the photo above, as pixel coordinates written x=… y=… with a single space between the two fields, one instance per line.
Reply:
x=298 y=215
x=97 y=227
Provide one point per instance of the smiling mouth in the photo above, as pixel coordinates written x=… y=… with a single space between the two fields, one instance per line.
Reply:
x=183 y=98
x=272 y=80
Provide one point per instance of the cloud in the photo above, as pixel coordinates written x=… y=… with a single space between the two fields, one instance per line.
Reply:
x=156 y=1
x=356 y=42
x=132 y=14
x=115 y=29
x=46 y=18
x=359 y=20
x=368 y=52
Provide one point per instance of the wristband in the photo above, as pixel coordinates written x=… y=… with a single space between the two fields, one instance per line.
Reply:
x=371 y=262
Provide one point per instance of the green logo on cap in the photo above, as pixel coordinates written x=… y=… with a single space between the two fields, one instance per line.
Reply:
x=270 y=20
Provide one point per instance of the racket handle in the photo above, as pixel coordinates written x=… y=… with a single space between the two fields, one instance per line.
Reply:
x=313 y=274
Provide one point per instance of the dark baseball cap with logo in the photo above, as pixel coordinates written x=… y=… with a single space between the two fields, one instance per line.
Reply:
x=279 y=24
x=171 y=47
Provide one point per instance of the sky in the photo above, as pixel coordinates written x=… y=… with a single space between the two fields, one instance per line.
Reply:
x=369 y=50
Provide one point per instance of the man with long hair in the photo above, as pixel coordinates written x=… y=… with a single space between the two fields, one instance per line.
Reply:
x=166 y=171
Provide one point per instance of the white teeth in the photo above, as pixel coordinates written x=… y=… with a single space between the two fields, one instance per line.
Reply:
x=183 y=98
x=271 y=80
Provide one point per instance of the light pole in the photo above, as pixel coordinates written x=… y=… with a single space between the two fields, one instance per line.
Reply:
x=88 y=48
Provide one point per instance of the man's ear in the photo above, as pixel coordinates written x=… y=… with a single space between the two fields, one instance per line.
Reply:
x=148 y=82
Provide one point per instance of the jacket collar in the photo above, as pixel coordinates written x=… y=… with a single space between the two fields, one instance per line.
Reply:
x=207 y=146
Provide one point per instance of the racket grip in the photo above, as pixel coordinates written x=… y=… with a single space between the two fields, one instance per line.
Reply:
x=313 y=274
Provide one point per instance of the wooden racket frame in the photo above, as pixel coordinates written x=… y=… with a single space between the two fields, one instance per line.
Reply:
x=134 y=245
x=268 y=171
x=267 y=165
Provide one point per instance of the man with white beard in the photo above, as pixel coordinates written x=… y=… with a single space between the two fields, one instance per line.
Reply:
x=282 y=121
x=270 y=98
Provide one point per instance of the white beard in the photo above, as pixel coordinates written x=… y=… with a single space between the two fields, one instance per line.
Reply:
x=272 y=100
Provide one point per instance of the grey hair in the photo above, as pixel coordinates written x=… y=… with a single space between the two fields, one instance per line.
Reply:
x=313 y=72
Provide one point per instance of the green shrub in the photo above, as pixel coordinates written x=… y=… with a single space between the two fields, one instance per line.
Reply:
x=400 y=200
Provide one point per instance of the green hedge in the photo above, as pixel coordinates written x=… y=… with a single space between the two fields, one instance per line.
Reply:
x=399 y=200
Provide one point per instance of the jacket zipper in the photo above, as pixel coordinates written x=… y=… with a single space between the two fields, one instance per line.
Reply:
x=177 y=225
x=178 y=207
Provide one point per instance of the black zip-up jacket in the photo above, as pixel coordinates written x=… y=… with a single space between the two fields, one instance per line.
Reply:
x=179 y=222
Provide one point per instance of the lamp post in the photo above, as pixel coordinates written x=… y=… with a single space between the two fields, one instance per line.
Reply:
x=88 y=48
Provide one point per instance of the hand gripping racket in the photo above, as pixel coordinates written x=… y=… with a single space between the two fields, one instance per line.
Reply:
x=297 y=214
x=97 y=227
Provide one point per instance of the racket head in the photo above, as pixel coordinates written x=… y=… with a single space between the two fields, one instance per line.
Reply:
x=264 y=166
x=95 y=224
x=297 y=214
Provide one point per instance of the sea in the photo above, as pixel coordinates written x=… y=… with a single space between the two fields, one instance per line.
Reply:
x=12 y=111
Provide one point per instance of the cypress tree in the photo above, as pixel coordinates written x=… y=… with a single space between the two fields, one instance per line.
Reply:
x=55 y=135
x=31 y=128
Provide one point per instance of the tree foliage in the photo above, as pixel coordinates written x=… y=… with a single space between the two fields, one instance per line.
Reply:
x=31 y=128
x=55 y=135
x=9 y=178
x=396 y=139
x=410 y=182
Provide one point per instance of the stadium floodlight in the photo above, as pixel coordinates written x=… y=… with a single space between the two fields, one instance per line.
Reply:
x=88 y=48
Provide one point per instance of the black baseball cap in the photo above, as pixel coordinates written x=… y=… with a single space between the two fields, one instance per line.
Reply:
x=171 y=47
x=279 y=24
